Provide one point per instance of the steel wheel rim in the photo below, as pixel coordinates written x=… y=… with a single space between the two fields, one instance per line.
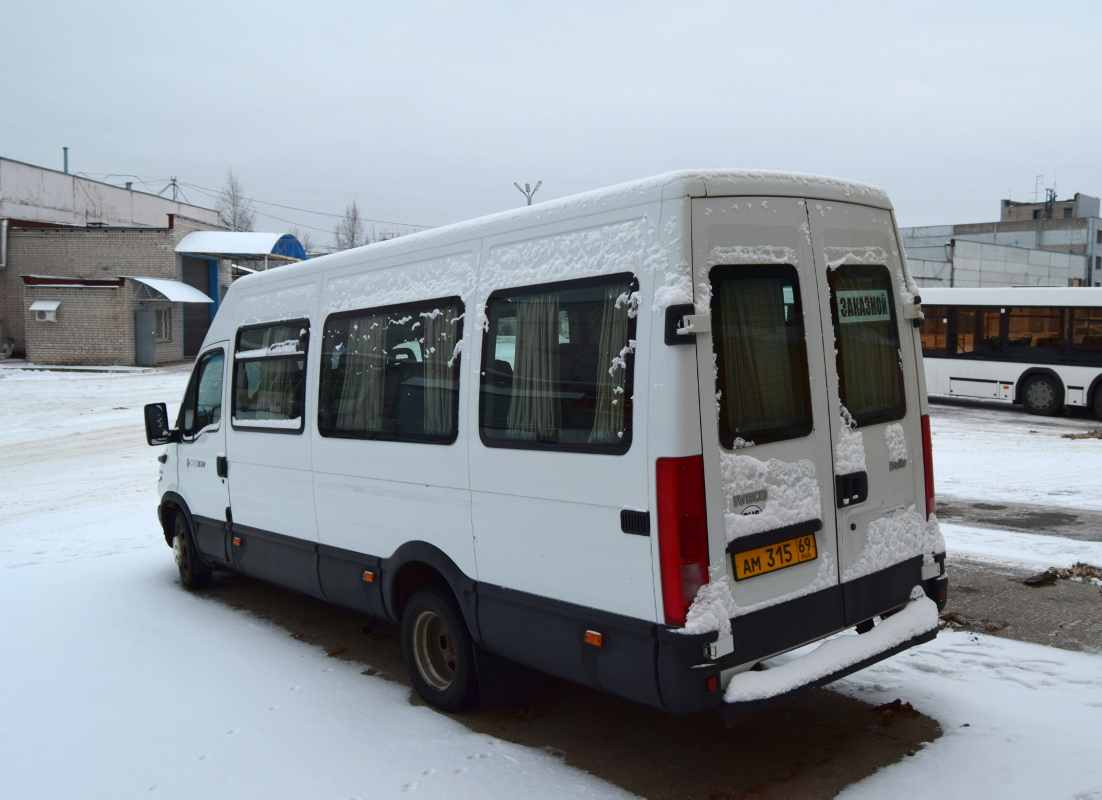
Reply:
x=433 y=651
x=179 y=550
x=1040 y=394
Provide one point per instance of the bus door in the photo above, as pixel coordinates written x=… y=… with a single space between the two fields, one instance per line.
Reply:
x=871 y=366
x=767 y=413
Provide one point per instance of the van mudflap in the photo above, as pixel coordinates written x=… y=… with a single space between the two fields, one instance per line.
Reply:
x=915 y=623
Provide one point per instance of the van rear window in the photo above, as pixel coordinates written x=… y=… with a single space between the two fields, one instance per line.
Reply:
x=866 y=336
x=557 y=366
x=761 y=358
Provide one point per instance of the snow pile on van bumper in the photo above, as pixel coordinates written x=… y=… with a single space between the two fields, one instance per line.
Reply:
x=837 y=657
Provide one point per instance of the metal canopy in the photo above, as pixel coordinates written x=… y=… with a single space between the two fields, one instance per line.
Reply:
x=243 y=245
x=172 y=291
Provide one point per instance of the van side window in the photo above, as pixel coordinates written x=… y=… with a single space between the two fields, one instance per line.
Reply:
x=866 y=336
x=202 y=407
x=557 y=366
x=761 y=357
x=269 y=377
x=392 y=373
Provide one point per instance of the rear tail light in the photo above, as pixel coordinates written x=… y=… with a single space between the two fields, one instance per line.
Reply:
x=682 y=533
x=928 y=465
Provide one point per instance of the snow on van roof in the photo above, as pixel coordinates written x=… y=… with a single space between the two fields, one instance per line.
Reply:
x=667 y=186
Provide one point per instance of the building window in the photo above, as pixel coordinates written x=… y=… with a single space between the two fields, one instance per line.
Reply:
x=1067 y=213
x=162 y=324
x=1098 y=237
x=1038 y=213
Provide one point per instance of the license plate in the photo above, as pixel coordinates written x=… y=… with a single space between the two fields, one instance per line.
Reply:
x=761 y=560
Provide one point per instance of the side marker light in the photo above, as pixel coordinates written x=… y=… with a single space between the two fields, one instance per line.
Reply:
x=594 y=638
x=369 y=577
x=713 y=684
x=236 y=541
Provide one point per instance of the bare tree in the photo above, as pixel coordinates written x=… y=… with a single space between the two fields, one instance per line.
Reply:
x=350 y=232
x=383 y=235
x=234 y=208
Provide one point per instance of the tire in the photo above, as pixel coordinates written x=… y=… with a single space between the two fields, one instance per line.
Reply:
x=438 y=651
x=1042 y=395
x=1096 y=402
x=194 y=574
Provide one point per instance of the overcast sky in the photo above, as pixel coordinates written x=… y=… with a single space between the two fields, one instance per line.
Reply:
x=426 y=113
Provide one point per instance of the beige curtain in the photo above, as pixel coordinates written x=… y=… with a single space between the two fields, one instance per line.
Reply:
x=361 y=400
x=868 y=352
x=608 y=418
x=757 y=368
x=436 y=349
x=534 y=411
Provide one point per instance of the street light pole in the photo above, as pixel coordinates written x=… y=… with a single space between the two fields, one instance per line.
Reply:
x=528 y=191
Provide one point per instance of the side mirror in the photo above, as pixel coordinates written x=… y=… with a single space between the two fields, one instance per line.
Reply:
x=157 y=430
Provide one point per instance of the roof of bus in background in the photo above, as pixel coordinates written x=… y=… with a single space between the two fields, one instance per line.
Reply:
x=1016 y=296
x=668 y=186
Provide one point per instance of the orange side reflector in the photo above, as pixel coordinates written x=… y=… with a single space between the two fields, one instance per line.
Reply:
x=594 y=638
x=369 y=577
x=236 y=541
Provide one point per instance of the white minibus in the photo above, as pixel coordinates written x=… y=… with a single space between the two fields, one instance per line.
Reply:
x=1038 y=346
x=645 y=439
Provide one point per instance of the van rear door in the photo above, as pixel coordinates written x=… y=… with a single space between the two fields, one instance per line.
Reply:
x=879 y=502
x=767 y=405
x=809 y=416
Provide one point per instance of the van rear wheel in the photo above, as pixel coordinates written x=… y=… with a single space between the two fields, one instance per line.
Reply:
x=438 y=651
x=194 y=574
x=1041 y=395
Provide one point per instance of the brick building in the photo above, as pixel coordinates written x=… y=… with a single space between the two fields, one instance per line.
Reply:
x=87 y=277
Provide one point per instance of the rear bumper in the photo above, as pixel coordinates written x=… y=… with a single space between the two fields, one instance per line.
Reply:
x=683 y=671
x=833 y=659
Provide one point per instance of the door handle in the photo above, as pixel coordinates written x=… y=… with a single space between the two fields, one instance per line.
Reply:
x=222 y=466
x=851 y=489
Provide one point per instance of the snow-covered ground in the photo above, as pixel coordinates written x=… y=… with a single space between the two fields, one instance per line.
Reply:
x=996 y=452
x=117 y=683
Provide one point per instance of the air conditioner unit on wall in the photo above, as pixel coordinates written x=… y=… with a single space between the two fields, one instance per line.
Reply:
x=45 y=310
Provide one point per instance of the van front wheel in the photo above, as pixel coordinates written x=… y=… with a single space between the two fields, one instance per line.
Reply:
x=1041 y=395
x=438 y=651
x=193 y=573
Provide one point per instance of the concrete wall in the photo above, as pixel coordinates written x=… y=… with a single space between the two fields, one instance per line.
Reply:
x=977 y=264
x=45 y=195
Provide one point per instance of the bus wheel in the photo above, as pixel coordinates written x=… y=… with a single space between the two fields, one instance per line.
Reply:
x=1041 y=395
x=1096 y=402
x=193 y=573
x=438 y=651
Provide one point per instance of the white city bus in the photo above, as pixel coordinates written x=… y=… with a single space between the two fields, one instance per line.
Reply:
x=1041 y=347
x=644 y=439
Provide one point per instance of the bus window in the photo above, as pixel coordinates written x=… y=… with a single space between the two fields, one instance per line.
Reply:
x=1038 y=328
x=870 y=369
x=977 y=331
x=1086 y=329
x=935 y=333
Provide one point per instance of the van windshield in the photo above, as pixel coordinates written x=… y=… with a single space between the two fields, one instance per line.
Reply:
x=866 y=335
x=761 y=357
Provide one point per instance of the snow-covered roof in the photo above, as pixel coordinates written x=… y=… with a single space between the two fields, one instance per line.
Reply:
x=668 y=186
x=242 y=244
x=1017 y=296
x=173 y=291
